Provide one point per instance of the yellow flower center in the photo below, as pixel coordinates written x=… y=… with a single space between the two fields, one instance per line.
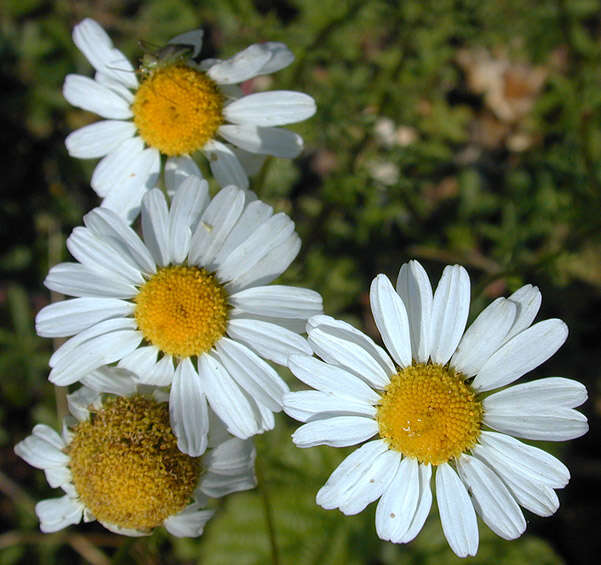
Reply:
x=177 y=109
x=428 y=412
x=182 y=310
x=126 y=466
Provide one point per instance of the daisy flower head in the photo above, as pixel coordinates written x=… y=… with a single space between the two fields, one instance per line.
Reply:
x=176 y=108
x=117 y=462
x=428 y=400
x=189 y=306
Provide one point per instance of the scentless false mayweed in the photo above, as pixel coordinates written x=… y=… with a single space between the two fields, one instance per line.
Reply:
x=427 y=401
x=189 y=306
x=178 y=108
x=117 y=462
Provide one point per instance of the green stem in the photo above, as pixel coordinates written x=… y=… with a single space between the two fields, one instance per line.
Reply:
x=268 y=511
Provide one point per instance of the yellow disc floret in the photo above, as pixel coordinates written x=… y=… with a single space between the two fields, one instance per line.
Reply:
x=177 y=109
x=126 y=466
x=182 y=310
x=428 y=412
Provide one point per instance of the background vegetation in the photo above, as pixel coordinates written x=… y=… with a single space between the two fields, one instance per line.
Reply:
x=448 y=131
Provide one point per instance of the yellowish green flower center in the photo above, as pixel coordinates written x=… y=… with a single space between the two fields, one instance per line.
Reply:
x=429 y=413
x=126 y=466
x=182 y=310
x=177 y=109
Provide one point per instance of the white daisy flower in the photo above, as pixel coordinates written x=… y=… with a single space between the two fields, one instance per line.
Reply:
x=188 y=307
x=117 y=462
x=427 y=400
x=178 y=109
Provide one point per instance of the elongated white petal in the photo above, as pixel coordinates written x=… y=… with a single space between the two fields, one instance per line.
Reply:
x=155 y=226
x=98 y=139
x=521 y=354
x=242 y=66
x=279 y=301
x=226 y=398
x=281 y=57
x=59 y=477
x=116 y=166
x=115 y=85
x=457 y=514
x=225 y=165
x=189 y=523
x=450 y=308
x=346 y=475
x=215 y=224
x=188 y=412
x=177 y=170
x=484 y=336
x=527 y=459
x=339 y=431
x=74 y=279
x=161 y=374
x=398 y=504
x=80 y=401
x=140 y=362
x=495 y=504
x=528 y=300
x=58 y=513
x=231 y=457
x=41 y=453
x=98 y=49
x=192 y=38
x=306 y=404
x=252 y=374
x=274 y=108
x=264 y=140
x=553 y=424
x=113 y=380
x=423 y=506
x=69 y=317
x=331 y=379
x=216 y=486
x=391 y=319
x=94 y=97
x=415 y=291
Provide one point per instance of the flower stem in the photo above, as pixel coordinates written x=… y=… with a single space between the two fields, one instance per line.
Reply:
x=268 y=511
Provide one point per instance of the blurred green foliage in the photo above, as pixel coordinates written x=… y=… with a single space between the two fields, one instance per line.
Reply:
x=449 y=131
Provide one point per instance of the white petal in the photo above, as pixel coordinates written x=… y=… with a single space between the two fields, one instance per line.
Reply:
x=265 y=140
x=450 y=308
x=346 y=475
x=252 y=163
x=177 y=170
x=260 y=243
x=49 y=435
x=115 y=85
x=192 y=38
x=270 y=266
x=225 y=165
x=118 y=235
x=112 y=380
x=391 y=319
x=371 y=484
x=125 y=531
x=58 y=476
x=98 y=139
x=252 y=374
x=74 y=279
x=423 y=506
x=279 y=301
x=161 y=374
x=113 y=168
x=69 y=317
x=399 y=503
x=93 y=252
x=41 y=453
x=495 y=504
x=188 y=411
x=231 y=457
x=98 y=49
x=521 y=354
x=484 y=336
x=215 y=224
x=273 y=108
x=142 y=174
x=58 y=513
x=94 y=97
x=188 y=523
x=538 y=395
x=155 y=226
x=415 y=290
x=216 y=486
x=331 y=379
x=528 y=300
x=457 y=514
x=187 y=206
x=339 y=343
x=226 y=398
x=81 y=401
x=339 y=431
x=242 y=66
x=281 y=57
x=305 y=404
x=140 y=362
x=527 y=459
x=552 y=424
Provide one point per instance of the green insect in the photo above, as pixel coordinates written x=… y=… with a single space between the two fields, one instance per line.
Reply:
x=167 y=55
